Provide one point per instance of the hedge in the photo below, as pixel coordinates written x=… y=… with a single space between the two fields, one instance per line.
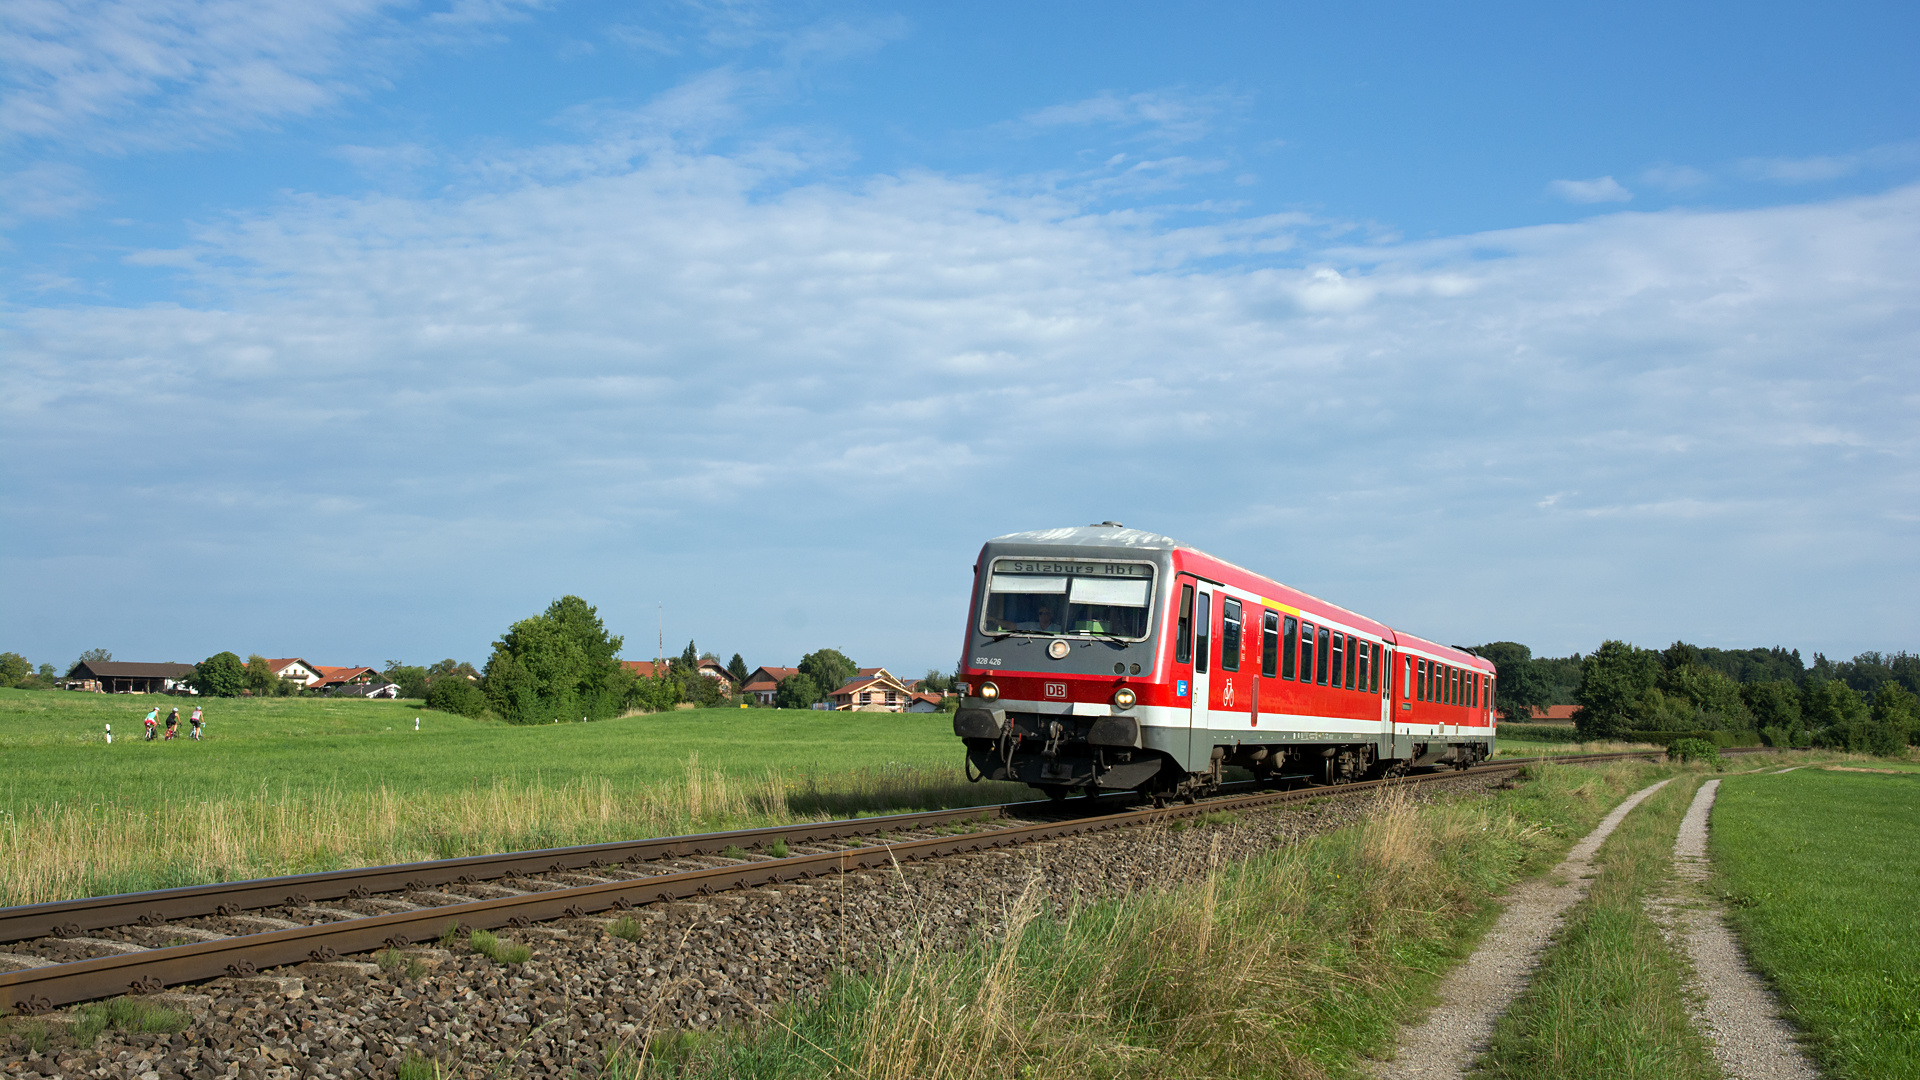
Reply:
x=1717 y=738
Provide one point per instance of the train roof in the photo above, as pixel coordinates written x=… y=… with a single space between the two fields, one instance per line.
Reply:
x=1105 y=534
x=1113 y=534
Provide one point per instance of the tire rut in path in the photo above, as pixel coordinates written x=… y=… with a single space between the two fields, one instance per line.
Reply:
x=1750 y=1038
x=1479 y=991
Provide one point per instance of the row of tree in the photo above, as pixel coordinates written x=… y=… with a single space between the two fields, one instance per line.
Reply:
x=1865 y=704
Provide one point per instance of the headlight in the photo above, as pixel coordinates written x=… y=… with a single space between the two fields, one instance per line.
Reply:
x=1057 y=648
x=989 y=692
x=1123 y=698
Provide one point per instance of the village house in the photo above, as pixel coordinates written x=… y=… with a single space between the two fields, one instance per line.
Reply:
x=293 y=667
x=872 y=690
x=332 y=678
x=122 y=677
x=763 y=681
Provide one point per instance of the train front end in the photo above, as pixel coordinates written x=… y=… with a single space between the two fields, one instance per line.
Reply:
x=1063 y=668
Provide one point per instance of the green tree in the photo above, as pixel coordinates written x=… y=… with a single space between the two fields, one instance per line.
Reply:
x=1774 y=703
x=1614 y=682
x=737 y=667
x=219 y=675
x=1520 y=686
x=1707 y=700
x=450 y=666
x=260 y=676
x=936 y=681
x=828 y=668
x=1895 y=719
x=796 y=691
x=14 y=669
x=558 y=665
x=1834 y=713
x=91 y=656
x=410 y=678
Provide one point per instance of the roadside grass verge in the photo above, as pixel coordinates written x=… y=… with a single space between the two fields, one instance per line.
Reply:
x=1610 y=999
x=1819 y=870
x=1297 y=962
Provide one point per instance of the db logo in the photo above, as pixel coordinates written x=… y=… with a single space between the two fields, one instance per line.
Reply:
x=1056 y=690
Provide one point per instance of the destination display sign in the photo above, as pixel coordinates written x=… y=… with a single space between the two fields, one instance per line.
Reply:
x=1073 y=567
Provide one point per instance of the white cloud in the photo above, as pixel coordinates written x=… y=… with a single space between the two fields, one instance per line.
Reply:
x=673 y=375
x=1807 y=170
x=1599 y=190
x=44 y=190
x=1165 y=115
x=1676 y=177
x=121 y=74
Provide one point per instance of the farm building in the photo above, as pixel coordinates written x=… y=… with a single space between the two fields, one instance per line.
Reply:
x=122 y=677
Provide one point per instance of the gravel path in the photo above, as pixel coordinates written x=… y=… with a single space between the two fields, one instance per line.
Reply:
x=1478 y=991
x=1751 y=1040
x=723 y=960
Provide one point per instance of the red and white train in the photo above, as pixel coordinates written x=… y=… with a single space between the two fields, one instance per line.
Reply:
x=1107 y=658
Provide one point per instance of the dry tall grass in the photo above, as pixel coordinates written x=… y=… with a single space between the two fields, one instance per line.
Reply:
x=1291 y=964
x=60 y=851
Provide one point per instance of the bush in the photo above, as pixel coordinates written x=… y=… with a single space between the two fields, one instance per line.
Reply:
x=1694 y=750
x=796 y=692
x=1537 y=732
x=454 y=694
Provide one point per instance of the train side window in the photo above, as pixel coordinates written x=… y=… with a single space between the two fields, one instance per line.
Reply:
x=1306 y=652
x=1449 y=681
x=1406 y=681
x=1229 y=635
x=1440 y=691
x=1183 y=636
x=1287 y=649
x=1320 y=671
x=1270 y=644
x=1473 y=691
x=1360 y=671
x=1339 y=656
x=1355 y=650
x=1453 y=685
x=1422 y=694
x=1202 y=624
x=1373 y=684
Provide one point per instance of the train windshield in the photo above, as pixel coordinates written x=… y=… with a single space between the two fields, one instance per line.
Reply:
x=1038 y=596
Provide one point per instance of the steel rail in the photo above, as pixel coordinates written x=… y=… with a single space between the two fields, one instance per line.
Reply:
x=38 y=989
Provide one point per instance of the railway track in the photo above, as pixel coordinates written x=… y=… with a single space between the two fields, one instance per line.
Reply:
x=98 y=947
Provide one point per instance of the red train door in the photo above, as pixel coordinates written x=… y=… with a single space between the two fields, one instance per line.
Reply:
x=1198 y=737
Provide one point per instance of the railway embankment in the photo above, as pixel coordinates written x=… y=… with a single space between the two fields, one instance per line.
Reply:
x=594 y=994
x=1296 y=960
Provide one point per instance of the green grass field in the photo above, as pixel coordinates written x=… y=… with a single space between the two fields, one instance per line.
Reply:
x=55 y=750
x=284 y=785
x=1821 y=870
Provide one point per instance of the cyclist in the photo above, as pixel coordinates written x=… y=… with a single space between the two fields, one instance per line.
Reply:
x=153 y=721
x=196 y=722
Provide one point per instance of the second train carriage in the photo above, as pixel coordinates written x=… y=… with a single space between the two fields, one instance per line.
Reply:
x=1111 y=658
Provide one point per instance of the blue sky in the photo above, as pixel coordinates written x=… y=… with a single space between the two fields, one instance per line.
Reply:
x=358 y=330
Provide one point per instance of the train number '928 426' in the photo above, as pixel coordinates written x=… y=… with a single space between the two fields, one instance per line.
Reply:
x=1105 y=658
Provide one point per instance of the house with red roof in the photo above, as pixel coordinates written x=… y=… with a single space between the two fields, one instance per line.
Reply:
x=763 y=681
